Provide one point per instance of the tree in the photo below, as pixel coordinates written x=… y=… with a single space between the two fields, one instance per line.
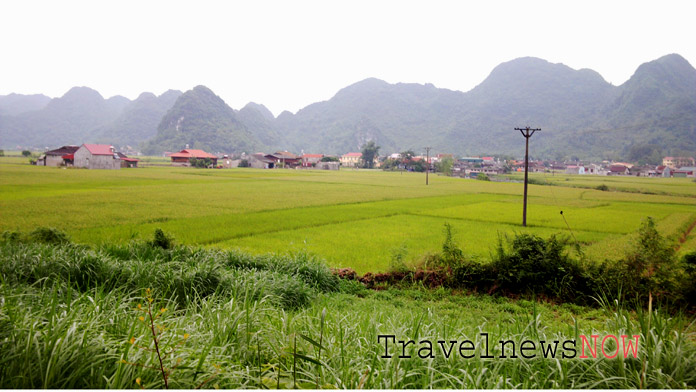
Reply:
x=652 y=261
x=407 y=156
x=444 y=165
x=369 y=152
x=26 y=153
x=329 y=159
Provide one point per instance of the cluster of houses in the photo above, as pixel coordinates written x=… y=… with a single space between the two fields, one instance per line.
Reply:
x=104 y=156
x=671 y=167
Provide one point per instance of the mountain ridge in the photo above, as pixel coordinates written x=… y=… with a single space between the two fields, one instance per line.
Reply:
x=579 y=111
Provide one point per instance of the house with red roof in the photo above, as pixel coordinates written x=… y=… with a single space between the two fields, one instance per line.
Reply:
x=183 y=157
x=309 y=160
x=352 y=159
x=97 y=156
x=284 y=159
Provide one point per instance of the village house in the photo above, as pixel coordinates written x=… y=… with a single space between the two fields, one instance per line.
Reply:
x=59 y=157
x=228 y=162
x=310 y=160
x=619 y=170
x=327 y=166
x=685 y=171
x=183 y=157
x=259 y=161
x=127 y=162
x=285 y=159
x=352 y=159
x=575 y=169
x=97 y=156
x=675 y=162
x=663 y=171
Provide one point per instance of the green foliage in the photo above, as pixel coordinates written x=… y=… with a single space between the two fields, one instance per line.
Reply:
x=244 y=163
x=2 y=153
x=329 y=159
x=26 y=153
x=646 y=154
x=452 y=255
x=370 y=151
x=48 y=235
x=162 y=240
x=482 y=177
x=444 y=165
x=397 y=263
x=651 y=265
x=200 y=163
x=602 y=187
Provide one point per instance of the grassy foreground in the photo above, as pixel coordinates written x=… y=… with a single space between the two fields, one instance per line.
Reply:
x=75 y=317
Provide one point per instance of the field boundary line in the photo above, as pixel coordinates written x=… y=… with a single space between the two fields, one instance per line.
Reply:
x=271 y=231
x=511 y=224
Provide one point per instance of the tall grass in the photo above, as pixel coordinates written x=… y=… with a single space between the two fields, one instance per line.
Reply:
x=68 y=315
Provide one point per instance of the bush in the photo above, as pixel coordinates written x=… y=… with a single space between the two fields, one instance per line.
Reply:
x=26 y=153
x=162 y=240
x=452 y=255
x=244 y=163
x=533 y=265
x=651 y=267
x=602 y=187
x=483 y=177
x=49 y=235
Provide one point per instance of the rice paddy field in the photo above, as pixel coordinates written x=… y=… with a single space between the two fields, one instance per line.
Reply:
x=355 y=219
x=247 y=298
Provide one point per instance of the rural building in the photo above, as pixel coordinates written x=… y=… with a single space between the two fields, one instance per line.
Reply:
x=59 y=157
x=575 y=169
x=328 y=165
x=127 y=162
x=183 y=157
x=309 y=160
x=97 y=156
x=685 y=171
x=285 y=159
x=664 y=171
x=675 y=162
x=352 y=159
x=618 y=170
x=259 y=161
x=227 y=162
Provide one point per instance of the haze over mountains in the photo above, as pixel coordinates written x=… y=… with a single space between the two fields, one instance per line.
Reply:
x=580 y=114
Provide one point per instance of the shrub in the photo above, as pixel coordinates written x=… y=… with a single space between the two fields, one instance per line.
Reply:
x=483 y=177
x=398 y=260
x=651 y=267
x=162 y=240
x=49 y=235
x=244 y=163
x=533 y=265
x=452 y=255
x=602 y=187
x=26 y=153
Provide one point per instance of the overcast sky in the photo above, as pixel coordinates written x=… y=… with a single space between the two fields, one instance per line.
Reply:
x=289 y=54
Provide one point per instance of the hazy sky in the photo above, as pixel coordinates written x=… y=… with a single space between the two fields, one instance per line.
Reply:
x=288 y=54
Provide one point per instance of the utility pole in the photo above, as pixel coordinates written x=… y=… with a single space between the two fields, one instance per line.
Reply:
x=427 y=164
x=527 y=133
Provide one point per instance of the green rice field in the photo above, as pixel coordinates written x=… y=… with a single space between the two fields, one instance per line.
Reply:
x=351 y=218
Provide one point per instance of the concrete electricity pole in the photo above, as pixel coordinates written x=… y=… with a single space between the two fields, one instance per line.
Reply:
x=427 y=164
x=527 y=133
